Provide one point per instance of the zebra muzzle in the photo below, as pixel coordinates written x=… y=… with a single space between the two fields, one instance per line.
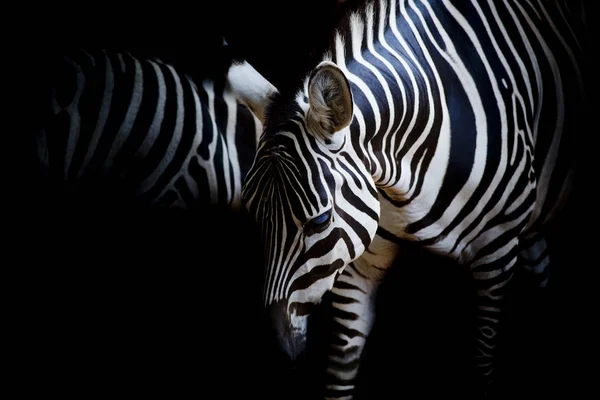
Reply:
x=291 y=339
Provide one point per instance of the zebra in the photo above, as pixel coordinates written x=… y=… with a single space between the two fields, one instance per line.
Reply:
x=148 y=129
x=449 y=125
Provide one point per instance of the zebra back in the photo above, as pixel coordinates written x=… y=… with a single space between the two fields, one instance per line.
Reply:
x=136 y=130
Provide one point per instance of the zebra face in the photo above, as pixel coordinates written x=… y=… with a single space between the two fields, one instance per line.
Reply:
x=312 y=198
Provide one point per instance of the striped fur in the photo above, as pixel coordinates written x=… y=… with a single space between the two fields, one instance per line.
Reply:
x=464 y=116
x=144 y=129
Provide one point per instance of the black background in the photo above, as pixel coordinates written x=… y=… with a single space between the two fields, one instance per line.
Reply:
x=106 y=302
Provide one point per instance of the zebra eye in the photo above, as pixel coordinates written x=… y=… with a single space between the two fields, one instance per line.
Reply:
x=318 y=223
x=321 y=219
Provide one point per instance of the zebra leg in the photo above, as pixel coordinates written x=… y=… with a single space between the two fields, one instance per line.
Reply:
x=534 y=257
x=353 y=303
x=491 y=279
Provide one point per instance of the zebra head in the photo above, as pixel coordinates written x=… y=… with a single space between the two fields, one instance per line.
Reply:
x=312 y=197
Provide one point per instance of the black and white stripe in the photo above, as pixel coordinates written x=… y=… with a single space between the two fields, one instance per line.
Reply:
x=144 y=127
x=448 y=124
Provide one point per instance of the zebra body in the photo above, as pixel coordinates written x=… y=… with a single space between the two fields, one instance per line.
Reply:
x=447 y=124
x=147 y=129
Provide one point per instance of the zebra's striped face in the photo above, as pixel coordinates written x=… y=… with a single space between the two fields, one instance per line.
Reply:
x=314 y=202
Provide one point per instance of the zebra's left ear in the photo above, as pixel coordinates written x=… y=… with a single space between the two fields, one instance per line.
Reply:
x=330 y=100
x=250 y=88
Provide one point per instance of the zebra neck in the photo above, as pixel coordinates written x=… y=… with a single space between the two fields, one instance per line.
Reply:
x=394 y=88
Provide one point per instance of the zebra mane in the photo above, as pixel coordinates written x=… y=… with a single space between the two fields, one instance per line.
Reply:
x=352 y=11
x=284 y=106
x=282 y=109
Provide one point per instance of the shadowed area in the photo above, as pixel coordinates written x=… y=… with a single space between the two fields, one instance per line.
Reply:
x=102 y=301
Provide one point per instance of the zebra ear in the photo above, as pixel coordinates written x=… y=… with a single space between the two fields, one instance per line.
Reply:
x=330 y=100
x=250 y=88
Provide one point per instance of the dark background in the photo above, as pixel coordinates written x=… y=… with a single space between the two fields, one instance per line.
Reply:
x=105 y=302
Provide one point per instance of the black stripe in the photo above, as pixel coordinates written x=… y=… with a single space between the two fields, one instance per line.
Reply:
x=89 y=110
x=345 y=315
x=245 y=139
x=124 y=82
x=124 y=162
x=184 y=148
x=208 y=134
x=167 y=128
x=357 y=202
x=199 y=175
x=344 y=330
x=317 y=273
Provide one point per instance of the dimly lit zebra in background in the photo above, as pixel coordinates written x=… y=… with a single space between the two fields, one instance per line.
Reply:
x=145 y=128
x=446 y=124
